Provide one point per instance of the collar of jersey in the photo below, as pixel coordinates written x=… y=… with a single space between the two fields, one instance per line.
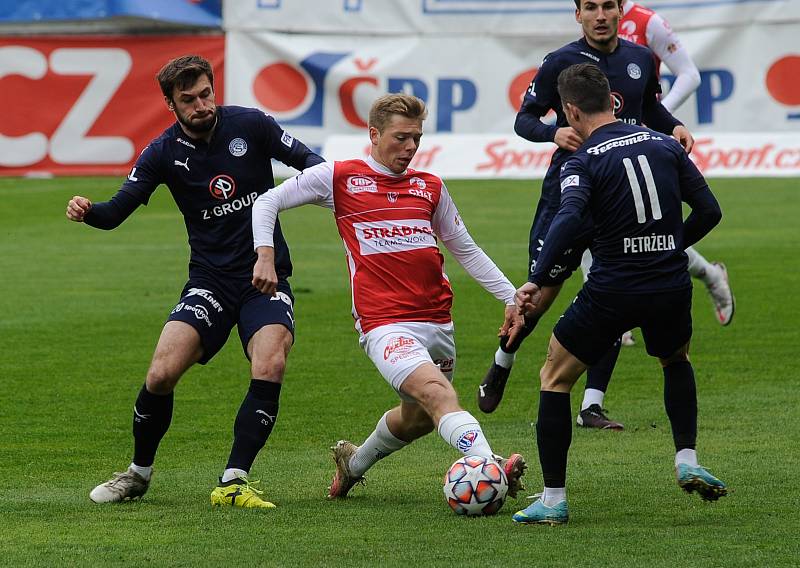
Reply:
x=381 y=169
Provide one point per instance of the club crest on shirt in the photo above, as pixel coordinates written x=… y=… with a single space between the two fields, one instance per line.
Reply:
x=361 y=183
x=634 y=71
x=237 y=147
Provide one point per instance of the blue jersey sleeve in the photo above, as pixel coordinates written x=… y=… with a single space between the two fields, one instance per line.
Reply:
x=146 y=175
x=542 y=95
x=706 y=212
x=575 y=194
x=284 y=147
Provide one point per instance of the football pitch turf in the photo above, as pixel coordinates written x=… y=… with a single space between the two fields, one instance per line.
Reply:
x=82 y=310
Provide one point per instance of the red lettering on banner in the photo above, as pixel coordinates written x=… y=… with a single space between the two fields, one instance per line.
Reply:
x=503 y=159
x=708 y=156
x=362 y=65
x=347 y=99
x=423 y=159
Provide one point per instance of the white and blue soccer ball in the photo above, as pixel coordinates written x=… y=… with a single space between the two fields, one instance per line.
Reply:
x=475 y=485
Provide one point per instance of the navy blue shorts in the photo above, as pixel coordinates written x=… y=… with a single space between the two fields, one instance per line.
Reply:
x=569 y=260
x=213 y=305
x=595 y=320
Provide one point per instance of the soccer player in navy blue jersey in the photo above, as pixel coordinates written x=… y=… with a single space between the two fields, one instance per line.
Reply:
x=632 y=73
x=632 y=181
x=215 y=161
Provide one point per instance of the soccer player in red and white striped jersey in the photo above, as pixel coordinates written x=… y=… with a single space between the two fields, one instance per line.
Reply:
x=390 y=219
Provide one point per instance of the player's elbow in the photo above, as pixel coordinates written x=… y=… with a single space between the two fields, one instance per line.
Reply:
x=519 y=125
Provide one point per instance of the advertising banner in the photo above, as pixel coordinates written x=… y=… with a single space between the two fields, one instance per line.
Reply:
x=318 y=86
x=87 y=104
x=528 y=18
x=480 y=156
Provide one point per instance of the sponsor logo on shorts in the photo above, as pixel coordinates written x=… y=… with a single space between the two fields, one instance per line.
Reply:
x=177 y=308
x=399 y=344
x=206 y=295
x=281 y=297
x=556 y=270
x=237 y=147
x=445 y=365
x=466 y=440
x=361 y=183
x=394 y=236
x=200 y=312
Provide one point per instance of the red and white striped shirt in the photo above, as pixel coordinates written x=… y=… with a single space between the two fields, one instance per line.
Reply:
x=390 y=224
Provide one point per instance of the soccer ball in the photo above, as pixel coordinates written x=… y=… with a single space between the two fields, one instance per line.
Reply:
x=475 y=486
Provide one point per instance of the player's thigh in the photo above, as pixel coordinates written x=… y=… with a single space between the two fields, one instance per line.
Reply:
x=561 y=368
x=205 y=306
x=667 y=325
x=397 y=350
x=178 y=348
x=591 y=324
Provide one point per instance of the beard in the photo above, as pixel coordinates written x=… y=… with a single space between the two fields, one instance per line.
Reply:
x=199 y=127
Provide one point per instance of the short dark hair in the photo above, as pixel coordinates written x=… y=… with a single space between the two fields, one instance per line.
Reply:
x=578 y=4
x=183 y=72
x=586 y=87
x=405 y=105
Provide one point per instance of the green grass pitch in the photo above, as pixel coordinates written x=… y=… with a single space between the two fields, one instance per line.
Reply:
x=81 y=309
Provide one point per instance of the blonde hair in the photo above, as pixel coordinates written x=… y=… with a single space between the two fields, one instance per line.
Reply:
x=384 y=107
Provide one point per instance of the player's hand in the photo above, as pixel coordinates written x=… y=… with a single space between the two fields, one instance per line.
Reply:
x=77 y=208
x=528 y=297
x=682 y=135
x=265 y=280
x=568 y=138
x=512 y=324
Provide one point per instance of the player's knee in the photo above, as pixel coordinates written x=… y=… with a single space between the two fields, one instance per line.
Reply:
x=680 y=356
x=437 y=396
x=552 y=380
x=161 y=379
x=271 y=366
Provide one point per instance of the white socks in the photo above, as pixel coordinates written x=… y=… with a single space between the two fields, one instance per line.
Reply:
x=687 y=456
x=700 y=268
x=552 y=496
x=380 y=444
x=233 y=473
x=592 y=396
x=505 y=360
x=145 y=472
x=462 y=431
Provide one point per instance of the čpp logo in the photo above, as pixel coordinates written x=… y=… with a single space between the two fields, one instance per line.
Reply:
x=296 y=96
x=783 y=83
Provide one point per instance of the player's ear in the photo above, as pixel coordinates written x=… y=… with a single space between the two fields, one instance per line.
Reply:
x=170 y=104
x=374 y=135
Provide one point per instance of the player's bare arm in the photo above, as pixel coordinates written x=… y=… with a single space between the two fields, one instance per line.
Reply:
x=682 y=135
x=567 y=138
x=77 y=208
x=265 y=279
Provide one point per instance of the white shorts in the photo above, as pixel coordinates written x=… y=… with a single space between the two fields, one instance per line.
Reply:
x=397 y=349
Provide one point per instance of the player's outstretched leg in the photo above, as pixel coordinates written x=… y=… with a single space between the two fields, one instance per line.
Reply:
x=715 y=276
